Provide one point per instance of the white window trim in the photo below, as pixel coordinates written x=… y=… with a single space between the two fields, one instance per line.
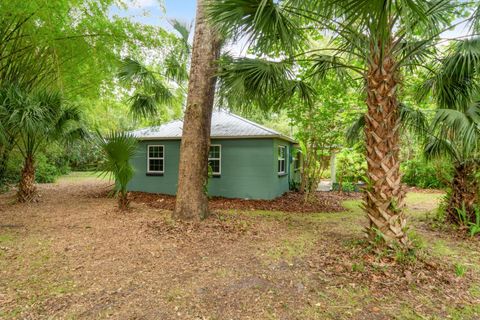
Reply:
x=155 y=158
x=219 y=159
x=284 y=159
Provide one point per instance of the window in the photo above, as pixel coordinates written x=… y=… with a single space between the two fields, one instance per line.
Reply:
x=215 y=159
x=297 y=160
x=281 y=159
x=155 y=159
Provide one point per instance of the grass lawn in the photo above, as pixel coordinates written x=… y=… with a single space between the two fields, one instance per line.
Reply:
x=73 y=256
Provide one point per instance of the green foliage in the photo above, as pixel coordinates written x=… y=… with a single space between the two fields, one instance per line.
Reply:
x=420 y=173
x=50 y=164
x=160 y=87
x=46 y=172
x=118 y=149
x=358 y=267
x=351 y=166
x=460 y=269
x=294 y=185
x=473 y=227
x=348 y=186
x=83 y=155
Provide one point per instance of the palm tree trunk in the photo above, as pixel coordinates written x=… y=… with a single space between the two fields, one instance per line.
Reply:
x=192 y=200
x=384 y=200
x=26 y=189
x=123 y=201
x=464 y=194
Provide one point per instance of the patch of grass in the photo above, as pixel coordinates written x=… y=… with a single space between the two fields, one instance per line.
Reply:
x=468 y=312
x=289 y=249
x=407 y=313
x=460 y=269
x=174 y=294
x=475 y=290
x=81 y=175
x=358 y=267
x=441 y=248
x=415 y=198
x=6 y=238
x=338 y=303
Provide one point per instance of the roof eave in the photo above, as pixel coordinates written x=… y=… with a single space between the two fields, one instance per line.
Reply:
x=282 y=137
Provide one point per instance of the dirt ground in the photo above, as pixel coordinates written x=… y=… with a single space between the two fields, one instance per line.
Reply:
x=73 y=256
x=289 y=202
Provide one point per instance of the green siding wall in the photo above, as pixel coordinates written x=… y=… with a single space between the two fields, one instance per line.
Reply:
x=167 y=183
x=248 y=169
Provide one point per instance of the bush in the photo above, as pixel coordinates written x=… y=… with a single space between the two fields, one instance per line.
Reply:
x=48 y=168
x=84 y=155
x=351 y=166
x=427 y=175
x=46 y=172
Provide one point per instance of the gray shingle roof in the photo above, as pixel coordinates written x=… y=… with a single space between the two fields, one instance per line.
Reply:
x=224 y=125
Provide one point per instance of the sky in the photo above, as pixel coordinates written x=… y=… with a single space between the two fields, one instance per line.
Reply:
x=157 y=12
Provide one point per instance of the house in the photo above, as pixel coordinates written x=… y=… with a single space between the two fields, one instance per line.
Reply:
x=247 y=160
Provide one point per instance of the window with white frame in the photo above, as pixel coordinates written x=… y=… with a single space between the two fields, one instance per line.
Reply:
x=155 y=159
x=215 y=159
x=282 y=151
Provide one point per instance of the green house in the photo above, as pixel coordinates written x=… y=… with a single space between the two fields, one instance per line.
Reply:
x=248 y=160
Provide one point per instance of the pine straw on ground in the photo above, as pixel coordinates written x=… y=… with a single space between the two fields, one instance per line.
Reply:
x=74 y=256
x=288 y=202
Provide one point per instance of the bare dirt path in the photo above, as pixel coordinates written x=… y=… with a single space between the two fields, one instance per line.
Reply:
x=73 y=256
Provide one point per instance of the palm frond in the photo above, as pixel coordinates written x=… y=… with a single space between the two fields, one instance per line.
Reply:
x=143 y=105
x=437 y=147
x=414 y=120
x=245 y=82
x=182 y=28
x=176 y=69
x=134 y=72
x=321 y=64
x=455 y=120
x=263 y=22
x=118 y=148
x=151 y=93
x=354 y=132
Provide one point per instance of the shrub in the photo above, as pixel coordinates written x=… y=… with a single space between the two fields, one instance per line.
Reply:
x=84 y=155
x=46 y=172
x=47 y=169
x=428 y=175
x=351 y=166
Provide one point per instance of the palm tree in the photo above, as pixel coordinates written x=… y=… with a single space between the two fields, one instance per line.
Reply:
x=159 y=88
x=36 y=118
x=23 y=64
x=455 y=130
x=375 y=40
x=118 y=149
x=192 y=201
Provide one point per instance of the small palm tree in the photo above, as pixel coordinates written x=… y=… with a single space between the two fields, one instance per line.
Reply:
x=376 y=40
x=118 y=149
x=36 y=118
x=455 y=130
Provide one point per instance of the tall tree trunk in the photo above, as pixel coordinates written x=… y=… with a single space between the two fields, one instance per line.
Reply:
x=192 y=200
x=464 y=194
x=384 y=199
x=26 y=189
